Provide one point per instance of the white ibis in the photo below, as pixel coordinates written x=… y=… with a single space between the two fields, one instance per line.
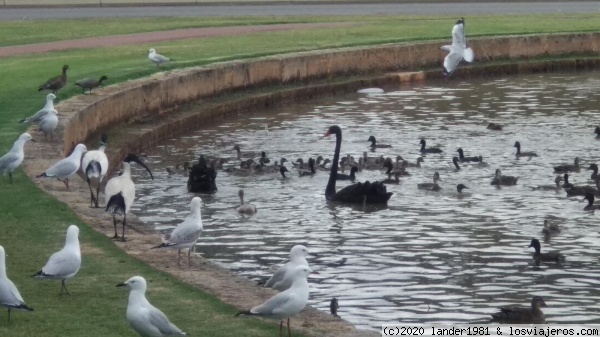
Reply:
x=9 y=294
x=65 y=263
x=119 y=192
x=13 y=159
x=186 y=234
x=67 y=167
x=95 y=165
x=143 y=317
x=37 y=117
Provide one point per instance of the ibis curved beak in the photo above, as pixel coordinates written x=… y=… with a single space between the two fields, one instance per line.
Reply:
x=132 y=157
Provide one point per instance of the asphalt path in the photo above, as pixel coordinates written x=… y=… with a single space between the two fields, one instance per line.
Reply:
x=451 y=9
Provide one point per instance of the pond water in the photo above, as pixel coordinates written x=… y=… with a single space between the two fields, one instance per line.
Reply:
x=429 y=257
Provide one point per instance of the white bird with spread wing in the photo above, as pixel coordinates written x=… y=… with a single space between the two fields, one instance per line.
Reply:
x=458 y=50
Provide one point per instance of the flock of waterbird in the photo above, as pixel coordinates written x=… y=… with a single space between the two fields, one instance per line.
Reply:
x=292 y=278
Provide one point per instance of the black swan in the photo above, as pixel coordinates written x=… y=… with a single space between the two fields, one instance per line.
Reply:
x=429 y=150
x=464 y=159
x=371 y=193
x=523 y=154
x=202 y=178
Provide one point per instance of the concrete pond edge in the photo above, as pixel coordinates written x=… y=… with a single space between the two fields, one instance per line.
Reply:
x=140 y=114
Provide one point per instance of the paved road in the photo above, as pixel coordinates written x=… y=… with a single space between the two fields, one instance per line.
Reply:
x=452 y=9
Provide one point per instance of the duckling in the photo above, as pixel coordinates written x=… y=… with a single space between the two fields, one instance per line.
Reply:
x=245 y=208
x=218 y=163
x=590 y=206
x=594 y=168
x=375 y=145
x=555 y=187
x=499 y=179
x=431 y=186
x=391 y=169
x=323 y=165
x=311 y=171
x=263 y=157
x=466 y=159
x=570 y=168
x=180 y=168
x=495 y=127
x=545 y=257
x=521 y=315
x=351 y=177
x=389 y=179
x=367 y=163
x=523 y=154
x=597 y=132
x=461 y=187
x=550 y=228
x=428 y=150
x=455 y=162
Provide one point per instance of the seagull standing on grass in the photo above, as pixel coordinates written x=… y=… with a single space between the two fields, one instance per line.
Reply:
x=13 y=159
x=157 y=59
x=67 y=167
x=143 y=317
x=187 y=233
x=37 y=117
x=286 y=303
x=282 y=278
x=65 y=263
x=9 y=294
x=458 y=50
x=119 y=193
x=95 y=165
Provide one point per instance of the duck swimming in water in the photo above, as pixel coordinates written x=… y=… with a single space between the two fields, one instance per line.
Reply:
x=375 y=145
x=351 y=176
x=358 y=193
x=522 y=315
x=428 y=150
x=499 y=179
x=523 y=154
x=590 y=206
x=594 y=168
x=461 y=187
x=545 y=257
x=568 y=167
x=431 y=186
x=495 y=127
x=464 y=159
x=455 y=162
x=555 y=187
x=550 y=228
x=597 y=132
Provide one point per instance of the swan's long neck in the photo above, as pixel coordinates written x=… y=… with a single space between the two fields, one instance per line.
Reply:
x=330 y=190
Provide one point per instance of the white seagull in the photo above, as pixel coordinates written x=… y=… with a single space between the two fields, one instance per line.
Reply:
x=286 y=303
x=13 y=159
x=157 y=59
x=95 y=165
x=245 y=208
x=119 y=193
x=458 y=50
x=187 y=233
x=143 y=317
x=67 y=167
x=9 y=294
x=37 y=117
x=65 y=263
x=49 y=123
x=282 y=278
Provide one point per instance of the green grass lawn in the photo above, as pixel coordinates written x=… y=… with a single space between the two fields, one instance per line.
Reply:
x=33 y=225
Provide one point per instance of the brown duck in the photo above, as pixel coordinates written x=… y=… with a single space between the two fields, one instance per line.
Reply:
x=522 y=315
x=56 y=83
x=90 y=83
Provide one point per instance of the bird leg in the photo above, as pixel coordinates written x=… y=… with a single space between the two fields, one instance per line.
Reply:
x=124 y=224
x=280 y=327
x=9 y=314
x=115 y=224
x=63 y=286
x=66 y=182
x=190 y=256
x=97 y=193
x=289 y=330
x=92 y=198
x=179 y=257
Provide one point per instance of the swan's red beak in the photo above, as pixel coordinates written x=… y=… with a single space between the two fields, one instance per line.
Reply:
x=326 y=134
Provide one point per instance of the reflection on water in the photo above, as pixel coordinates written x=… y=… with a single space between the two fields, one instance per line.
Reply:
x=428 y=257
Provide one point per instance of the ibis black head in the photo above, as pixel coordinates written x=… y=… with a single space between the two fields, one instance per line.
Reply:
x=132 y=157
x=461 y=20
